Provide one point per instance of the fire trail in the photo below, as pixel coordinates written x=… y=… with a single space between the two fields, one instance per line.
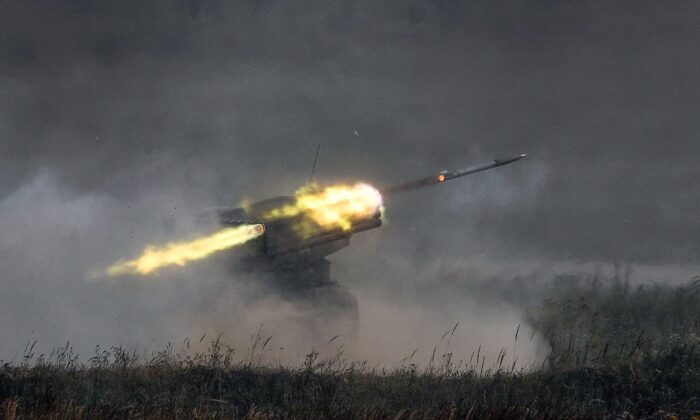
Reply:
x=180 y=253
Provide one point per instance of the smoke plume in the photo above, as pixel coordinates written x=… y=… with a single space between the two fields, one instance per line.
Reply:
x=119 y=120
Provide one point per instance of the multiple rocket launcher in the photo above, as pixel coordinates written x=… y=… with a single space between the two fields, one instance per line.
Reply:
x=294 y=234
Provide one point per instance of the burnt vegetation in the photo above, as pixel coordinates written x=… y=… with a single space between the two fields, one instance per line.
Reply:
x=617 y=351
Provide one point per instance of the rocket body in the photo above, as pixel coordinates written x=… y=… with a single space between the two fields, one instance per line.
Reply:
x=446 y=175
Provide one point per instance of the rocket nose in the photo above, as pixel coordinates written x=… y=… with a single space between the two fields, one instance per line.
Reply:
x=500 y=162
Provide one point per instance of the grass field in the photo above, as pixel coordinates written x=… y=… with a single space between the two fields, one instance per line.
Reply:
x=617 y=352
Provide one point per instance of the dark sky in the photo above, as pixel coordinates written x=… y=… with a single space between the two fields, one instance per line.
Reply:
x=119 y=118
x=232 y=97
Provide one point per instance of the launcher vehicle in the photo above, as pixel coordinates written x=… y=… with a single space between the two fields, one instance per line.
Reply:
x=295 y=243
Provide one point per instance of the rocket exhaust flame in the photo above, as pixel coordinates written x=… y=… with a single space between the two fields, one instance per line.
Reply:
x=335 y=206
x=179 y=253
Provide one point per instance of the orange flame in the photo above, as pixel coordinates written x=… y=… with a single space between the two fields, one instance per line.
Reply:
x=179 y=253
x=336 y=206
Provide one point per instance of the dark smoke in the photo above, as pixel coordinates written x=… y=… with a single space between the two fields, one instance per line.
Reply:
x=120 y=118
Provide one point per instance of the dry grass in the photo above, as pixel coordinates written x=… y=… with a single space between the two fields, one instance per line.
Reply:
x=616 y=353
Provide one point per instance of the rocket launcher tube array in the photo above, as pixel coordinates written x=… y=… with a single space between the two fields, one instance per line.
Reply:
x=325 y=237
